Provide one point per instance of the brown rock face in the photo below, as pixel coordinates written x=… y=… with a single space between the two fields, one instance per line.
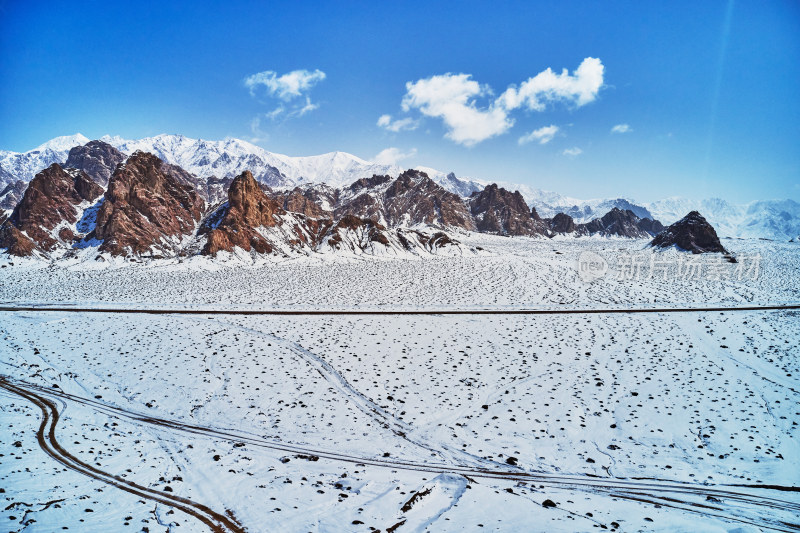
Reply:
x=97 y=159
x=413 y=198
x=692 y=233
x=498 y=210
x=234 y=223
x=306 y=202
x=144 y=204
x=368 y=232
x=51 y=198
x=15 y=241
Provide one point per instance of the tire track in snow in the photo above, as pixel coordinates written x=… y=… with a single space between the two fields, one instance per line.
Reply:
x=649 y=491
x=46 y=437
x=363 y=402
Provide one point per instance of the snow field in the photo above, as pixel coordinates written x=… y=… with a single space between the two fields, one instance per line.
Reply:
x=518 y=272
x=703 y=398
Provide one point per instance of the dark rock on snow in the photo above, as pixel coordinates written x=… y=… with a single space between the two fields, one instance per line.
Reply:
x=98 y=159
x=692 y=233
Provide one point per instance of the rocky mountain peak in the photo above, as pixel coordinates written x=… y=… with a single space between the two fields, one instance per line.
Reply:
x=146 y=209
x=247 y=201
x=52 y=197
x=236 y=222
x=498 y=210
x=692 y=233
x=562 y=223
x=97 y=158
x=624 y=223
x=368 y=183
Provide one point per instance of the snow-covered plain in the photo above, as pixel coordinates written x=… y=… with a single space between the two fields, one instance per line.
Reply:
x=505 y=273
x=413 y=422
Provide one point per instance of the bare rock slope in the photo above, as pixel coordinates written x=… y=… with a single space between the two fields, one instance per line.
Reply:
x=692 y=233
x=146 y=210
x=48 y=211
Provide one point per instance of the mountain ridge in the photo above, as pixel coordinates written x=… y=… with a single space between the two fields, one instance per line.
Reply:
x=773 y=219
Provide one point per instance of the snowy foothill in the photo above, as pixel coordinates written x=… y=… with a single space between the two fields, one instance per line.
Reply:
x=671 y=421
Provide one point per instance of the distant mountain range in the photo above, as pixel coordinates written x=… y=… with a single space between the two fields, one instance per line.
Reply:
x=772 y=219
x=101 y=202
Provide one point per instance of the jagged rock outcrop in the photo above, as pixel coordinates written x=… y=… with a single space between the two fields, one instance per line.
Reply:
x=236 y=222
x=97 y=158
x=561 y=223
x=15 y=242
x=497 y=210
x=310 y=202
x=12 y=194
x=653 y=227
x=49 y=208
x=623 y=224
x=147 y=209
x=363 y=236
x=368 y=231
x=411 y=199
x=692 y=233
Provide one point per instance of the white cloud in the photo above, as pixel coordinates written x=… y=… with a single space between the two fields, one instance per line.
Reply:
x=290 y=88
x=306 y=108
x=621 y=128
x=572 y=152
x=454 y=99
x=287 y=86
x=543 y=135
x=579 y=89
x=451 y=97
x=385 y=121
x=391 y=156
x=275 y=113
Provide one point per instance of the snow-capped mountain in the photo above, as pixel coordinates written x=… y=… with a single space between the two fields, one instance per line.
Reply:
x=24 y=165
x=461 y=186
x=770 y=219
x=774 y=219
x=229 y=158
x=548 y=204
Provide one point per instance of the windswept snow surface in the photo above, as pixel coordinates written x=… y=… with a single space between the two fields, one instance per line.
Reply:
x=632 y=422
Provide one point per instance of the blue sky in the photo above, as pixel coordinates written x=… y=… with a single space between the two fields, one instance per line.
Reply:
x=708 y=90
